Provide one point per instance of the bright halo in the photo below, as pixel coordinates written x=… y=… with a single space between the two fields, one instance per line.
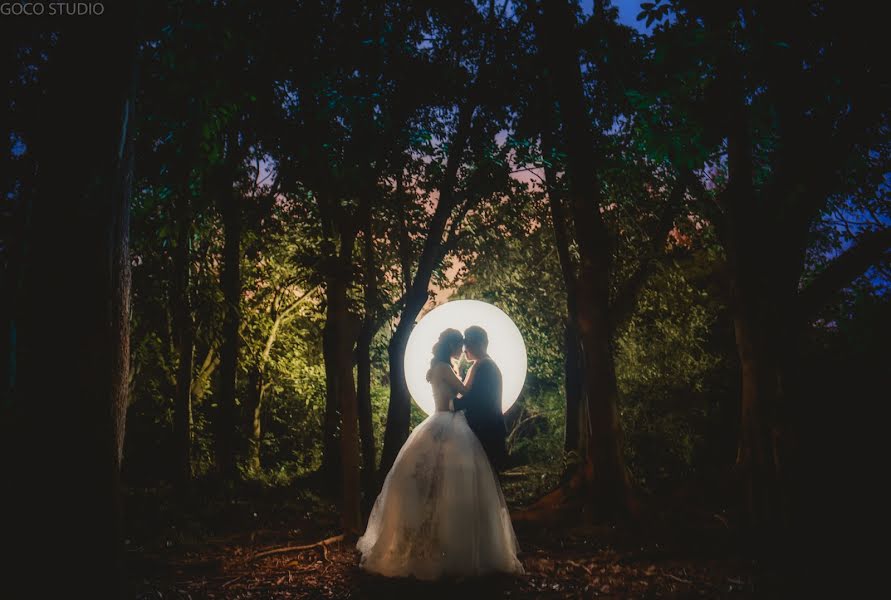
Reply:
x=506 y=348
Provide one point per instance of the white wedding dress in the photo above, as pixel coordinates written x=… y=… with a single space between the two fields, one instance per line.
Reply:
x=441 y=511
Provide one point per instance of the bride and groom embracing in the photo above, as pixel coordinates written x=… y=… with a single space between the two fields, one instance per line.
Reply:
x=441 y=511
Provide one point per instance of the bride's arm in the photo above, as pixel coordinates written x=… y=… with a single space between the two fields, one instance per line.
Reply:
x=468 y=377
x=456 y=386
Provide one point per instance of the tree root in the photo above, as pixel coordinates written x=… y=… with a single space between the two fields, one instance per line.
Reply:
x=286 y=549
x=676 y=578
x=575 y=499
x=552 y=507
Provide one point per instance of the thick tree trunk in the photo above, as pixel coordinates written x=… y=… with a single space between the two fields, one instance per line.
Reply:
x=757 y=456
x=576 y=428
x=767 y=335
x=604 y=473
x=227 y=463
x=68 y=407
x=757 y=301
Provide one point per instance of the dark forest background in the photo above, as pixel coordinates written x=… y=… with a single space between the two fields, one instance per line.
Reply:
x=220 y=221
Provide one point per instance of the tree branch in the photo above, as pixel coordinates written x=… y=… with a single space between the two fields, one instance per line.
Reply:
x=417 y=293
x=202 y=379
x=626 y=299
x=854 y=261
x=282 y=318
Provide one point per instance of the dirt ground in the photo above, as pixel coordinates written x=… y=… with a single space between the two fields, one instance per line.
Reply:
x=560 y=562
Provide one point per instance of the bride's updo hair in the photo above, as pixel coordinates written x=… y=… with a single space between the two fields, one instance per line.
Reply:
x=443 y=348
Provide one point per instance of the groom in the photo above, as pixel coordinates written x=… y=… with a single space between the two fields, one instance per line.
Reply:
x=482 y=403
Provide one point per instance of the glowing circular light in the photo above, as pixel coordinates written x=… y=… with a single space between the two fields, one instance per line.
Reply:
x=506 y=348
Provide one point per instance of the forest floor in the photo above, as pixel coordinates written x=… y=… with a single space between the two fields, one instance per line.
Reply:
x=212 y=549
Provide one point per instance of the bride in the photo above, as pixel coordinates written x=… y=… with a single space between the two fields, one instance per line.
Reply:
x=441 y=511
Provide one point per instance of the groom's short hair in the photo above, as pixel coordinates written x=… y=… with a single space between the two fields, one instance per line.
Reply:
x=476 y=337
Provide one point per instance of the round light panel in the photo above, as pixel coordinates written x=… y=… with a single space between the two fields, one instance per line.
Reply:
x=506 y=347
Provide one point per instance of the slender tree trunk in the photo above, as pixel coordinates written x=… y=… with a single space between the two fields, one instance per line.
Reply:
x=185 y=342
x=576 y=426
x=231 y=283
x=363 y=352
x=257 y=385
x=331 y=459
x=202 y=378
x=338 y=343
x=68 y=407
x=604 y=472
x=254 y=408
x=399 y=408
x=366 y=429
x=405 y=253
x=340 y=336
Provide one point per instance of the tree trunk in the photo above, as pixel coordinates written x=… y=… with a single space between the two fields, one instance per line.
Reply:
x=185 y=342
x=757 y=456
x=399 y=407
x=340 y=335
x=756 y=302
x=576 y=428
x=68 y=407
x=576 y=425
x=363 y=352
x=254 y=407
x=257 y=384
x=202 y=379
x=604 y=473
x=227 y=463
x=331 y=459
x=762 y=327
x=366 y=430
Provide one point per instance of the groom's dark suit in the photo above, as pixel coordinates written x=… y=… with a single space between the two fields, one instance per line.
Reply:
x=482 y=406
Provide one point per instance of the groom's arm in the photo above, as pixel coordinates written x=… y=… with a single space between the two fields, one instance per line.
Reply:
x=495 y=398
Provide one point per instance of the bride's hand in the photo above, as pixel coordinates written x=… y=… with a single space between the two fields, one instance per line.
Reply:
x=468 y=378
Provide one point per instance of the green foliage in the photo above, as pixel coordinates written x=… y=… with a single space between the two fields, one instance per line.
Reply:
x=536 y=435
x=329 y=107
x=672 y=369
x=293 y=419
x=672 y=362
